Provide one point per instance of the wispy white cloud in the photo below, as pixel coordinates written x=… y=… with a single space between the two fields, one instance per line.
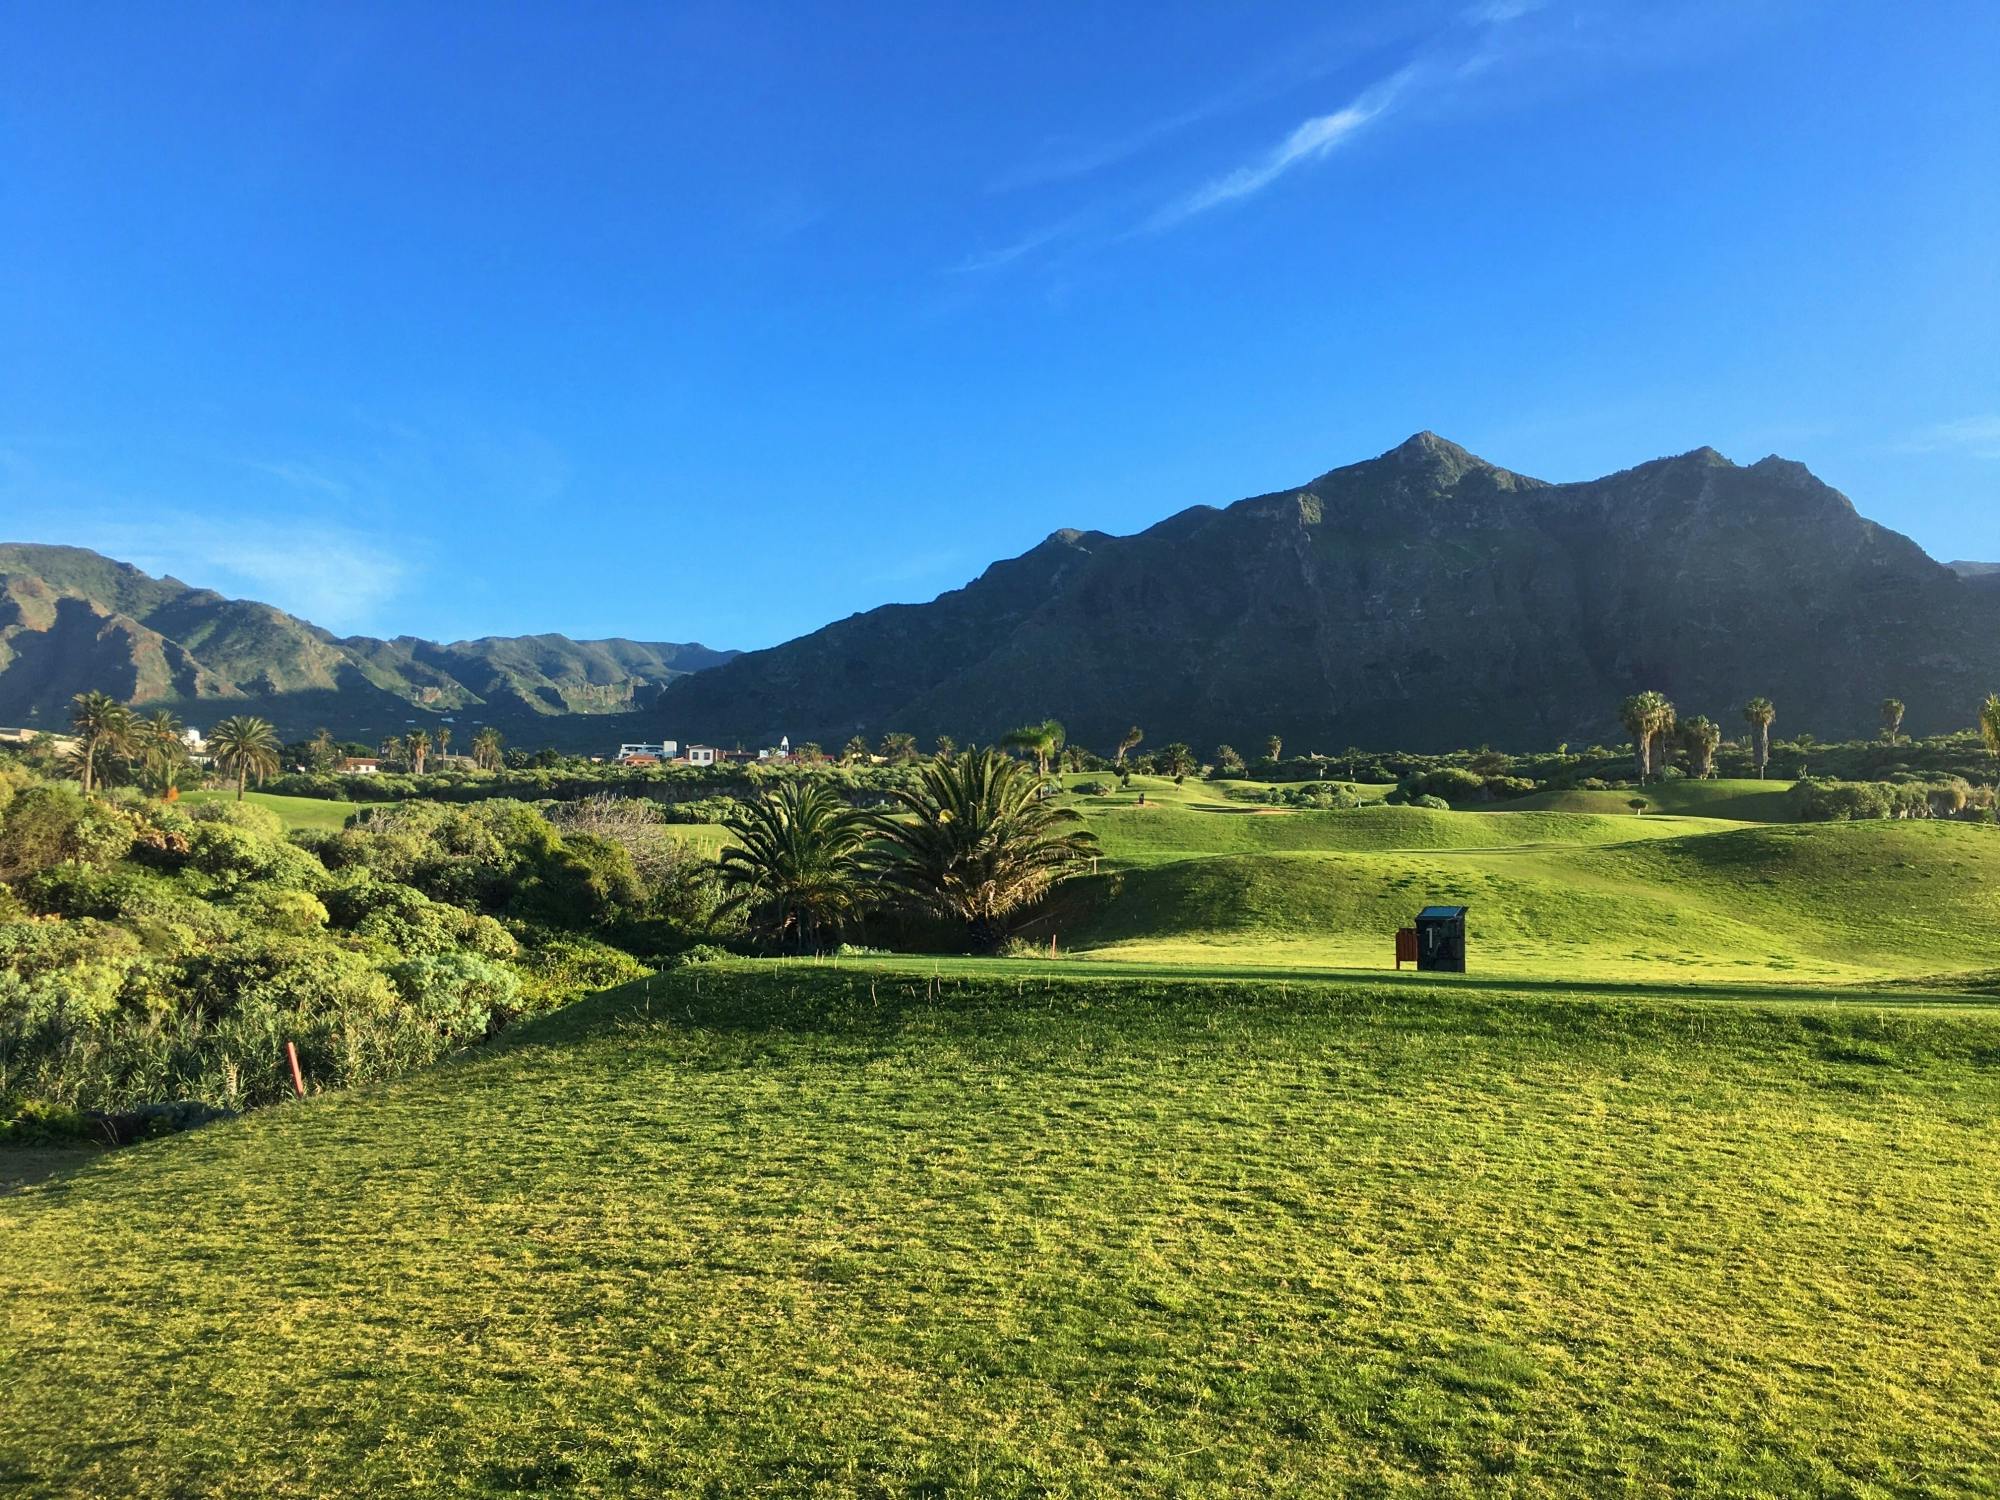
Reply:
x=1500 y=12
x=991 y=260
x=331 y=575
x=1308 y=142
x=1459 y=44
x=300 y=476
x=1979 y=436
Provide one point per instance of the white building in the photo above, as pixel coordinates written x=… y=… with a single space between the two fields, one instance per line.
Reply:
x=664 y=750
x=701 y=755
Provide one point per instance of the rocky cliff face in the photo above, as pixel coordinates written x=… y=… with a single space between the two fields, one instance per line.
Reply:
x=71 y=620
x=1425 y=598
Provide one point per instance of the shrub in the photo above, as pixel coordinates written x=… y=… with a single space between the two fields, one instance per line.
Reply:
x=559 y=970
x=585 y=882
x=708 y=953
x=1447 y=783
x=49 y=825
x=1436 y=804
x=458 y=994
x=294 y=913
x=35 y=1122
x=248 y=816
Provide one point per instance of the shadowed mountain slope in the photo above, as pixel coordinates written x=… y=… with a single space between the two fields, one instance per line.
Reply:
x=1425 y=598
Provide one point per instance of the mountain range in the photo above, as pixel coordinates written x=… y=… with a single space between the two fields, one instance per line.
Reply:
x=1422 y=599
x=71 y=620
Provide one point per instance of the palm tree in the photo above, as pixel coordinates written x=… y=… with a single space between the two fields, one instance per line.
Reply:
x=1700 y=736
x=1665 y=731
x=1989 y=723
x=1641 y=714
x=898 y=749
x=1274 y=748
x=1177 y=760
x=443 y=738
x=1130 y=742
x=164 y=751
x=1892 y=719
x=321 y=752
x=947 y=747
x=1044 y=741
x=244 y=747
x=486 y=747
x=417 y=745
x=105 y=726
x=976 y=841
x=795 y=869
x=855 y=750
x=1759 y=714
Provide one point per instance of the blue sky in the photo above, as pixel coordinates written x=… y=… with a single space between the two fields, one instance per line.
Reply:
x=719 y=322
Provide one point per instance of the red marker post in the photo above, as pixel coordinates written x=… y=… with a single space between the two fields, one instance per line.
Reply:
x=298 y=1078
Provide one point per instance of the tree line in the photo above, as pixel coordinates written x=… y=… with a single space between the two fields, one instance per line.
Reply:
x=1657 y=732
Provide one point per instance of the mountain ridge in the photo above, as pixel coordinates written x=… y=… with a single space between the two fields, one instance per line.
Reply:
x=1425 y=597
x=72 y=619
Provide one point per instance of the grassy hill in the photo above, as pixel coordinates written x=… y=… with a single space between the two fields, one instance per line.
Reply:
x=1559 y=891
x=795 y=1231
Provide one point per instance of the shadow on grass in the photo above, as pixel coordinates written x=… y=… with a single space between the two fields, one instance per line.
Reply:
x=771 y=1006
x=1978 y=991
x=30 y=1166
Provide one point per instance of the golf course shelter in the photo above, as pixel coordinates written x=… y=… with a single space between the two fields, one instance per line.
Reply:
x=1441 y=939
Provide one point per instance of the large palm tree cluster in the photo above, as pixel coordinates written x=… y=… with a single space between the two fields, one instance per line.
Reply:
x=114 y=744
x=974 y=841
x=1657 y=731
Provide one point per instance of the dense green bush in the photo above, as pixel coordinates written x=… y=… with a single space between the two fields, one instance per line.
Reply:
x=151 y=954
x=1457 y=786
x=1829 y=801
x=49 y=825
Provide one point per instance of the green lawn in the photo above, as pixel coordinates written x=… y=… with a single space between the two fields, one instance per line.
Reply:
x=796 y=1230
x=297 y=812
x=1559 y=892
x=709 y=838
x=1742 y=801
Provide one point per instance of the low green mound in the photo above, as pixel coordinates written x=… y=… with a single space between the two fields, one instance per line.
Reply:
x=1821 y=902
x=1739 y=801
x=1134 y=835
x=776 y=1231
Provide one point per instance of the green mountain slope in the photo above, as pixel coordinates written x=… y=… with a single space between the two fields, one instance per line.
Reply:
x=71 y=620
x=1425 y=598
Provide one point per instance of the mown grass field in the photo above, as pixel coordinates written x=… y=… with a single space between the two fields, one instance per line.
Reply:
x=1558 y=892
x=296 y=812
x=766 y=1230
